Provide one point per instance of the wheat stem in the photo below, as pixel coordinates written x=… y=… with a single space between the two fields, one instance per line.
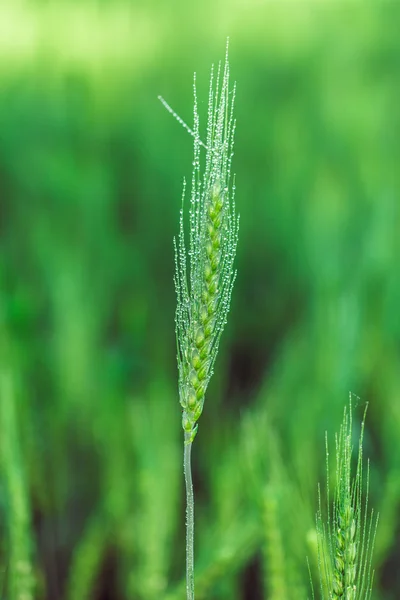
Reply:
x=187 y=467
x=21 y=581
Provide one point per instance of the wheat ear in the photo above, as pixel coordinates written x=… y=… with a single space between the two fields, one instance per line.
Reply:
x=346 y=538
x=204 y=274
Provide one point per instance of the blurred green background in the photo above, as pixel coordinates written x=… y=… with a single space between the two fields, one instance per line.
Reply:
x=91 y=170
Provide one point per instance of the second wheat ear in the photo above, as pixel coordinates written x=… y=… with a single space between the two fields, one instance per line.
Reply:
x=346 y=536
x=204 y=271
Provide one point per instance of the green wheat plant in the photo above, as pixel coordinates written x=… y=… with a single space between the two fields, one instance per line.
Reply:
x=19 y=575
x=345 y=538
x=204 y=274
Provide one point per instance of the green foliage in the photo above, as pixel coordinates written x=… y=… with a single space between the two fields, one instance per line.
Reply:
x=90 y=184
x=20 y=575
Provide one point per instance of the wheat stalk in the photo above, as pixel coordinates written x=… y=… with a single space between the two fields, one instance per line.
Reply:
x=20 y=575
x=204 y=274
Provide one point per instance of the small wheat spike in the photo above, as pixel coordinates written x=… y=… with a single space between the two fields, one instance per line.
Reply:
x=346 y=538
x=204 y=272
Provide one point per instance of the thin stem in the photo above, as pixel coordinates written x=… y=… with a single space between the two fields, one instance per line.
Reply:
x=189 y=519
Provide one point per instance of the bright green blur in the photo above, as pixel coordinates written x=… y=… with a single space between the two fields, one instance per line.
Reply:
x=91 y=171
